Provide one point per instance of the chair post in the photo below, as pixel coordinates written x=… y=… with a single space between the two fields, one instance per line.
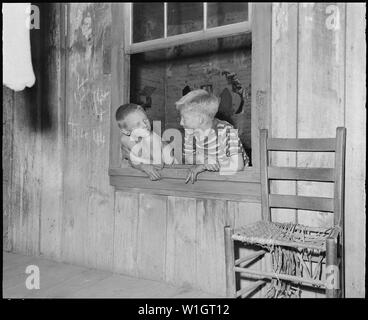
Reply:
x=263 y=136
x=339 y=197
x=332 y=269
x=341 y=262
x=229 y=262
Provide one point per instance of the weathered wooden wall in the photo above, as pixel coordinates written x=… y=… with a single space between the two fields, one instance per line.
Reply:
x=57 y=198
x=176 y=239
x=27 y=123
x=316 y=87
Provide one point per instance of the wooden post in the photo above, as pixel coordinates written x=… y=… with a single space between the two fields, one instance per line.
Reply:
x=120 y=74
x=261 y=73
x=332 y=281
x=229 y=263
x=355 y=123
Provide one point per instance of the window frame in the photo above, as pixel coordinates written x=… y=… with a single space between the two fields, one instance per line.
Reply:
x=243 y=186
x=185 y=38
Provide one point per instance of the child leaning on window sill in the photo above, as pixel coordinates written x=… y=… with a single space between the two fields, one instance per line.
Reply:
x=136 y=142
x=216 y=138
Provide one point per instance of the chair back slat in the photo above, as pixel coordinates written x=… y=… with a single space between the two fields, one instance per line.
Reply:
x=303 y=203
x=302 y=174
x=334 y=175
x=307 y=145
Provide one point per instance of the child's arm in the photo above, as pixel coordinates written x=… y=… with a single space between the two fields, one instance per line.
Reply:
x=235 y=163
x=234 y=151
x=188 y=148
x=150 y=170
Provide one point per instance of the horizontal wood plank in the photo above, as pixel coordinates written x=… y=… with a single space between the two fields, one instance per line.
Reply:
x=180 y=172
x=249 y=192
x=300 y=202
x=306 y=174
x=286 y=144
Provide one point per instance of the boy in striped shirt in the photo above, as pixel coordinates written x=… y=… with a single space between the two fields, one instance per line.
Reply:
x=209 y=143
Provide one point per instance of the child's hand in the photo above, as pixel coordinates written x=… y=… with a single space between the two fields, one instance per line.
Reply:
x=192 y=173
x=159 y=166
x=151 y=172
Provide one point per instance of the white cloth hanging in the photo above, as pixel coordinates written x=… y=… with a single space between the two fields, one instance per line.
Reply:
x=17 y=63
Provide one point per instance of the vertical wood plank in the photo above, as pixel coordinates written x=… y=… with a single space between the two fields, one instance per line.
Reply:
x=7 y=153
x=284 y=94
x=261 y=73
x=181 y=242
x=120 y=69
x=87 y=236
x=26 y=179
x=320 y=96
x=100 y=193
x=151 y=237
x=75 y=171
x=211 y=220
x=320 y=93
x=126 y=233
x=355 y=122
x=52 y=127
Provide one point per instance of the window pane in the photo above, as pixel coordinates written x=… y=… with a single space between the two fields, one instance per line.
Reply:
x=148 y=21
x=223 y=13
x=184 y=17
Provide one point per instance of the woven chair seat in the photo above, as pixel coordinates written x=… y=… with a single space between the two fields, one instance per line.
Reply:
x=268 y=234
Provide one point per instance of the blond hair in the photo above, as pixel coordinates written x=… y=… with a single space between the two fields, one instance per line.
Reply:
x=199 y=101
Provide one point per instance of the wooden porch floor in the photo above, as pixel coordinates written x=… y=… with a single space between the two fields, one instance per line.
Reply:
x=60 y=280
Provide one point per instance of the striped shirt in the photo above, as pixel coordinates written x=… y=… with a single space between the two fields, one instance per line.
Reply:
x=215 y=145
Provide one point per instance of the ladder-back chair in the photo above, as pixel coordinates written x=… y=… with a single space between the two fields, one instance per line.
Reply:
x=290 y=245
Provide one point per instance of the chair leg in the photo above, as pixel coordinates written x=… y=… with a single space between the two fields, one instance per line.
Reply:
x=332 y=269
x=229 y=263
x=342 y=265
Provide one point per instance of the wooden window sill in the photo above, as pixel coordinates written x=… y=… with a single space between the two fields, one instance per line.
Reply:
x=243 y=186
